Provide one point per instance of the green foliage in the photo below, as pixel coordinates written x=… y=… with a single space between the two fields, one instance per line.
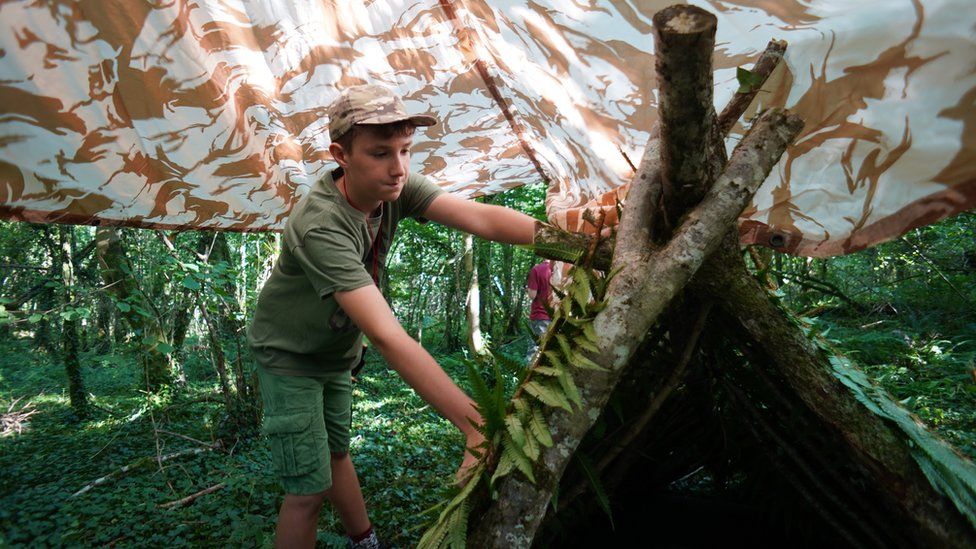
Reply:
x=405 y=454
x=904 y=311
x=515 y=430
x=747 y=80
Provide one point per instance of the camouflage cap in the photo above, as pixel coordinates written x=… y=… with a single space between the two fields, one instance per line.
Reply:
x=370 y=104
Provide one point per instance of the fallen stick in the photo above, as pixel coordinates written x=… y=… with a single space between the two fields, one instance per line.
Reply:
x=142 y=462
x=191 y=497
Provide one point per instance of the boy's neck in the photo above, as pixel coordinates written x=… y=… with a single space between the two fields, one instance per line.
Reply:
x=370 y=209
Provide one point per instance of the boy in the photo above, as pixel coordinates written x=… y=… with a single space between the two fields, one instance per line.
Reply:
x=322 y=296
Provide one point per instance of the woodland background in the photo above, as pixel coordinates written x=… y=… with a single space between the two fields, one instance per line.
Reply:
x=94 y=452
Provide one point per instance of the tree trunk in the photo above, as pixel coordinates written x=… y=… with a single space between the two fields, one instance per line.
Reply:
x=69 y=324
x=476 y=342
x=137 y=309
x=229 y=314
x=43 y=338
x=509 y=325
x=218 y=359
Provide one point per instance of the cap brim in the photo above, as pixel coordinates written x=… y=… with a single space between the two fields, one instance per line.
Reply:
x=416 y=119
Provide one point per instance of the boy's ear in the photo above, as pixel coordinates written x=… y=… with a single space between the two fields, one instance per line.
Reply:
x=339 y=154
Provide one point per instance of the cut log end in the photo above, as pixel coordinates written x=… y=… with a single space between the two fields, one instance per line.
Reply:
x=685 y=20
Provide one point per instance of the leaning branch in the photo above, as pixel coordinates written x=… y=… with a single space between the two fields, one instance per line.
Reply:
x=764 y=66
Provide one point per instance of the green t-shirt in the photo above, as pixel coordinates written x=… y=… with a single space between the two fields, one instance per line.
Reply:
x=327 y=246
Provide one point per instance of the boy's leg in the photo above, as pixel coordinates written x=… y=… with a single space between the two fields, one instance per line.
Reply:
x=346 y=495
x=297 y=520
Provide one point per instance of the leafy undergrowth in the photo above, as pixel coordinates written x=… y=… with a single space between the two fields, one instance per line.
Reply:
x=925 y=362
x=404 y=452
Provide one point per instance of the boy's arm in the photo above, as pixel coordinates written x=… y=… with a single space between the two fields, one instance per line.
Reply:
x=367 y=308
x=484 y=220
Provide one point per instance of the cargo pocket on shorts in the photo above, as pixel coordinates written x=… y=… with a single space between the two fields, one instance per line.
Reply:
x=293 y=448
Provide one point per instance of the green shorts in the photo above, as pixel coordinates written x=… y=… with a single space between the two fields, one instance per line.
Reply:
x=306 y=419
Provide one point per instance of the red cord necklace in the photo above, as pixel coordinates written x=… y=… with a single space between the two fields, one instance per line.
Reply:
x=374 y=237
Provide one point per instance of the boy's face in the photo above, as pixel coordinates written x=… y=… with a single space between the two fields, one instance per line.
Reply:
x=377 y=166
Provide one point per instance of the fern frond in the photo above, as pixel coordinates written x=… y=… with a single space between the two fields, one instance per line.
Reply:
x=589 y=332
x=508 y=363
x=554 y=359
x=487 y=401
x=505 y=465
x=569 y=388
x=458 y=530
x=548 y=395
x=583 y=362
x=601 y=494
x=564 y=346
x=515 y=430
x=539 y=429
x=522 y=462
x=581 y=287
x=548 y=371
x=433 y=537
x=531 y=448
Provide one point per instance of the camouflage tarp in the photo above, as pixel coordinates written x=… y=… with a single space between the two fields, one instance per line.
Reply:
x=209 y=113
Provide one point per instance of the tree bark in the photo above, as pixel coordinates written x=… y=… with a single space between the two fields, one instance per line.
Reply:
x=476 y=342
x=636 y=296
x=69 y=325
x=685 y=42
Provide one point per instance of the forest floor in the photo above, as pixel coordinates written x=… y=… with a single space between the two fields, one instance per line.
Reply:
x=405 y=453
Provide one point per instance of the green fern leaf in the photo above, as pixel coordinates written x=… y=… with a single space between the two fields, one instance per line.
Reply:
x=584 y=344
x=564 y=346
x=458 y=529
x=548 y=395
x=566 y=307
x=589 y=332
x=583 y=362
x=433 y=537
x=601 y=494
x=505 y=465
x=531 y=448
x=570 y=389
x=522 y=410
x=581 y=288
x=554 y=359
x=547 y=371
x=486 y=401
x=515 y=430
x=508 y=363
x=539 y=429
x=557 y=251
x=522 y=462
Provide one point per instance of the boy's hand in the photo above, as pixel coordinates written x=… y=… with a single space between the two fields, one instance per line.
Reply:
x=463 y=474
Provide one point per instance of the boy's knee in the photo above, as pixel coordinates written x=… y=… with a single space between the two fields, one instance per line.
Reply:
x=304 y=503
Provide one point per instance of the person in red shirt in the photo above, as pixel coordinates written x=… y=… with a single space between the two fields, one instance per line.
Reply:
x=540 y=293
